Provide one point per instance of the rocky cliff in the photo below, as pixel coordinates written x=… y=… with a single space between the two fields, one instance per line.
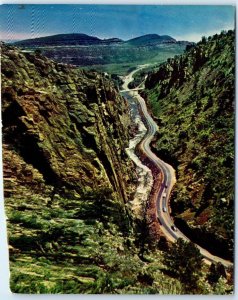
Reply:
x=69 y=127
x=67 y=182
x=192 y=96
x=66 y=174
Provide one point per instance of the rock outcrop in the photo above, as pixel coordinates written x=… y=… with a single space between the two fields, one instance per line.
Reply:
x=67 y=181
x=62 y=128
x=67 y=178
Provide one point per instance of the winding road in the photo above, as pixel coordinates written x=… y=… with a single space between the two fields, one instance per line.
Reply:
x=168 y=173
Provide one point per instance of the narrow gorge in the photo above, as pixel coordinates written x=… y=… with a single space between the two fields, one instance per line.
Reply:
x=89 y=176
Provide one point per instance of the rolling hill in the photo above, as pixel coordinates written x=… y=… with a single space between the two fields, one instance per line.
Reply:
x=150 y=39
x=71 y=39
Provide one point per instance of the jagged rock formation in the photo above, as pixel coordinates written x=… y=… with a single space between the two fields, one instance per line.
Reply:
x=67 y=178
x=67 y=125
x=192 y=96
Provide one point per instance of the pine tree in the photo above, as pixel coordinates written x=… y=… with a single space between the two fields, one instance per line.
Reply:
x=184 y=262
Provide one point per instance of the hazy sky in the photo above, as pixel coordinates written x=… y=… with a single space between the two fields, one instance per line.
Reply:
x=105 y=21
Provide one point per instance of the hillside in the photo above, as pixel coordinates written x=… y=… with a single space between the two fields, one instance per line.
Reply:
x=74 y=39
x=67 y=182
x=66 y=175
x=150 y=39
x=113 y=55
x=67 y=187
x=192 y=97
x=71 y=39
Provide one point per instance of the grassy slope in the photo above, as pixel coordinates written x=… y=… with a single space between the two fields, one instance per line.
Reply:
x=193 y=98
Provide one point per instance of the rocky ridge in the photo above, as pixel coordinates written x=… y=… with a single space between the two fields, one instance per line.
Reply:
x=68 y=125
x=192 y=97
x=67 y=178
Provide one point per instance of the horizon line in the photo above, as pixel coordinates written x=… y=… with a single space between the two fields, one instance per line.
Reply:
x=190 y=38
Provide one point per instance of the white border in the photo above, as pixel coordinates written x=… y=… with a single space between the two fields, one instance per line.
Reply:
x=5 y=293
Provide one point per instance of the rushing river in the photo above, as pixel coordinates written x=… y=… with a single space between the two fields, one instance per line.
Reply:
x=145 y=179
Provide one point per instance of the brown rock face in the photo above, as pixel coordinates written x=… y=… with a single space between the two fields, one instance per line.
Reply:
x=66 y=175
x=64 y=130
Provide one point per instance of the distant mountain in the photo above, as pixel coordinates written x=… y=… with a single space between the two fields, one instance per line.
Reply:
x=83 y=50
x=71 y=39
x=151 y=39
x=81 y=39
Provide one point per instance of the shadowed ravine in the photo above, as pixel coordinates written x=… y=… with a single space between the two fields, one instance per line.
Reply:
x=168 y=173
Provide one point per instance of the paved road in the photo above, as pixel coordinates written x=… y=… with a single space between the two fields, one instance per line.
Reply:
x=169 y=179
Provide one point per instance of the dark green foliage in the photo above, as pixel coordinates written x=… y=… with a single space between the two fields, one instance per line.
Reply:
x=72 y=232
x=184 y=261
x=117 y=80
x=37 y=52
x=216 y=271
x=76 y=241
x=71 y=235
x=193 y=97
x=143 y=240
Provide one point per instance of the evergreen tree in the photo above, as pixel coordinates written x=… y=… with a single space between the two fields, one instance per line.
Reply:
x=184 y=262
x=216 y=271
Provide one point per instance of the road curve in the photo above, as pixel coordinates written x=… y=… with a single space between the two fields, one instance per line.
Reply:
x=168 y=173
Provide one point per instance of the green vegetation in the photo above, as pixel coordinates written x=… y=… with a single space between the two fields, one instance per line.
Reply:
x=72 y=247
x=67 y=182
x=139 y=77
x=114 y=69
x=71 y=39
x=184 y=261
x=112 y=57
x=193 y=97
x=118 y=59
x=109 y=55
x=67 y=248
